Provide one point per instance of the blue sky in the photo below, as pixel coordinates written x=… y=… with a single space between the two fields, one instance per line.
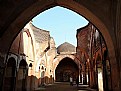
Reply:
x=62 y=24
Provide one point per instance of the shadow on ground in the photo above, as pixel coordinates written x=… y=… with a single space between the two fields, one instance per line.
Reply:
x=60 y=86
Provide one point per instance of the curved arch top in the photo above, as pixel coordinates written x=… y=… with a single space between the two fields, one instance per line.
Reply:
x=11 y=62
x=98 y=12
x=23 y=63
x=31 y=10
x=60 y=58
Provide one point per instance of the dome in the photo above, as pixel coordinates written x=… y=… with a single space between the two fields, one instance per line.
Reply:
x=66 y=48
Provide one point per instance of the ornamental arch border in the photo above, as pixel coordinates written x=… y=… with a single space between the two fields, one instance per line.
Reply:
x=61 y=57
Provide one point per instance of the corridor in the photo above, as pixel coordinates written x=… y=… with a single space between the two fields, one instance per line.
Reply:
x=64 y=86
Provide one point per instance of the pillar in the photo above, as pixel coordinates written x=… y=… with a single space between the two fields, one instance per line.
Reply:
x=84 y=75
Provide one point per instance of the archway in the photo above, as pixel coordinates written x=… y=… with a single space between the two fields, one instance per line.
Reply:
x=42 y=78
x=66 y=68
x=10 y=75
x=20 y=17
x=27 y=14
x=21 y=76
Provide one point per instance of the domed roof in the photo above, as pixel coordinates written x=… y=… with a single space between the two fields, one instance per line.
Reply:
x=66 y=48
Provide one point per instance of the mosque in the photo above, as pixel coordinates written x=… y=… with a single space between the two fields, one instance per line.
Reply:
x=28 y=55
x=34 y=60
x=37 y=60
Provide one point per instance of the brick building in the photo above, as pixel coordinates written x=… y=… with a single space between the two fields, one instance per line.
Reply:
x=93 y=56
x=34 y=60
x=32 y=52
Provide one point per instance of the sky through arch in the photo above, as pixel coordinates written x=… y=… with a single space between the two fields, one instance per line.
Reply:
x=62 y=24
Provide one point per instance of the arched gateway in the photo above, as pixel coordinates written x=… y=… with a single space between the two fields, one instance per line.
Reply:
x=105 y=15
x=10 y=75
x=22 y=76
x=66 y=68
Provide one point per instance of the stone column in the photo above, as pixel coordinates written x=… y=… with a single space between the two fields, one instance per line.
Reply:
x=92 y=79
x=84 y=75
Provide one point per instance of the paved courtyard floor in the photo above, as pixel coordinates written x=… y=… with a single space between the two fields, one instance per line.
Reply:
x=64 y=87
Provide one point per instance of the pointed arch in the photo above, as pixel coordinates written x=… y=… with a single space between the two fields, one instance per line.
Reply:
x=10 y=75
x=21 y=84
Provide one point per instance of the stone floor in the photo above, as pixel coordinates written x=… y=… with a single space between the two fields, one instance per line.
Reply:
x=64 y=87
